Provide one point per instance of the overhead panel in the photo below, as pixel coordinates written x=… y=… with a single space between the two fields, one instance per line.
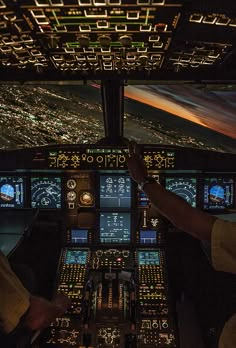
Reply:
x=91 y=37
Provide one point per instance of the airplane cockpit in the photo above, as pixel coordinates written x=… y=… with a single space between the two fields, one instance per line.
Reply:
x=78 y=79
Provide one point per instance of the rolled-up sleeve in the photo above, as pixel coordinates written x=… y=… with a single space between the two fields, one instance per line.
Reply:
x=223 y=246
x=14 y=298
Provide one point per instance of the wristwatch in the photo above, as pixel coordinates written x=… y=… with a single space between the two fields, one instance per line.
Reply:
x=147 y=180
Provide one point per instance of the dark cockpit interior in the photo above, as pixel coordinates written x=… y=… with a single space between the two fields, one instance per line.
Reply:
x=70 y=75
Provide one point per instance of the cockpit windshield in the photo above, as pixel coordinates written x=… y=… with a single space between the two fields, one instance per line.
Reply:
x=184 y=115
x=199 y=116
x=41 y=115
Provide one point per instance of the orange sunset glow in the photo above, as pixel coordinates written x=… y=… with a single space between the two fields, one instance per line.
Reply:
x=161 y=103
x=205 y=109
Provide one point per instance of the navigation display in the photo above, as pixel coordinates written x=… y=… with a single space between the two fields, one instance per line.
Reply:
x=115 y=191
x=218 y=193
x=46 y=193
x=148 y=257
x=79 y=236
x=148 y=236
x=115 y=227
x=11 y=192
x=78 y=257
x=183 y=187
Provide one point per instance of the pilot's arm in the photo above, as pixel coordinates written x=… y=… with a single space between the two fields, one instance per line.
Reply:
x=222 y=234
x=173 y=207
x=201 y=225
x=19 y=307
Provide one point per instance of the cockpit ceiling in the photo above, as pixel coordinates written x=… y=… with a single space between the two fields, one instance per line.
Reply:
x=134 y=39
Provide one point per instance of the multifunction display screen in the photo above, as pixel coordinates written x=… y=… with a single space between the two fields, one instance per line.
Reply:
x=148 y=236
x=218 y=193
x=115 y=227
x=11 y=192
x=78 y=257
x=79 y=236
x=115 y=191
x=148 y=257
x=46 y=193
x=183 y=187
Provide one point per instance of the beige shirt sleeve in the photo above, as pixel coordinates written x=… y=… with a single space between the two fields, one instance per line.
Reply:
x=223 y=246
x=14 y=298
x=223 y=253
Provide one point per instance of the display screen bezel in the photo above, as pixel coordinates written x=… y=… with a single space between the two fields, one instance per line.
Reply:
x=185 y=177
x=46 y=177
x=139 y=252
x=85 y=252
x=141 y=231
x=119 y=241
x=74 y=229
x=215 y=208
x=23 y=204
x=114 y=206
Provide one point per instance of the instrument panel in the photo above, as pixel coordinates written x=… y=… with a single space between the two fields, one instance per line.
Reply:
x=103 y=191
x=113 y=263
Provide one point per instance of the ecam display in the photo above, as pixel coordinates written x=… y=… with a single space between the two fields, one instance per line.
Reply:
x=115 y=227
x=115 y=191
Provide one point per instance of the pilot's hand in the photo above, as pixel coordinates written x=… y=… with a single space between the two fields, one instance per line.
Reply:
x=42 y=313
x=62 y=301
x=135 y=163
